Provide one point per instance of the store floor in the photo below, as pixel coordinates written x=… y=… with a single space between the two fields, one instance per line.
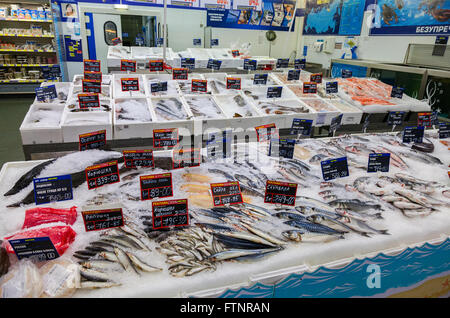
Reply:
x=12 y=111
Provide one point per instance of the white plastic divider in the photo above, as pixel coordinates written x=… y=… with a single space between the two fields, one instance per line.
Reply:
x=127 y=129
x=273 y=277
x=33 y=133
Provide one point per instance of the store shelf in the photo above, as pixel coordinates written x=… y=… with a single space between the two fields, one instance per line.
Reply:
x=26 y=81
x=26 y=65
x=32 y=51
x=25 y=20
x=27 y=36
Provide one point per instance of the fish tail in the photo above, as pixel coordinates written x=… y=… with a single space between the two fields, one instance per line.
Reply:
x=384 y=232
x=13 y=205
x=366 y=234
x=379 y=216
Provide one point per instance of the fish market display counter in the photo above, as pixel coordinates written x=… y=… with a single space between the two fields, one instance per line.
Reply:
x=365 y=234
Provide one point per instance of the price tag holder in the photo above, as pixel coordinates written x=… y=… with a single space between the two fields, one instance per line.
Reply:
x=226 y=193
x=235 y=53
x=156 y=65
x=179 y=73
x=156 y=186
x=444 y=130
x=395 y=118
x=274 y=91
x=197 y=42
x=309 y=88
x=38 y=248
x=102 y=174
x=88 y=100
x=198 y=85
x=46 y=93
x=138 y=158
x=413 y=134
x=424 y=119
x=334 y=168
x=282 y=63
x=129 y=84
x=331 y=87
x=92 y=76
x=346 y=73
x=165 y=137
x=92 y=65
x=158 y=87
x=95 y=220
x=280 y=193
x=316 y=78
x=266 y=132
x=52 y=189
x=397 y=92
x=214 y=42
x=188 y=62
x=250 y=65
x=186 y=158
x=301 y=127
x=91 y=86
x=233 y=83
x=260 y=79
x=335 y=123
x=300 y=64
x=293 y=75
x=214 y=64
x=92 y=140
x=378 y=162
x=282 y=148
x=128 y=66
x=172 y=213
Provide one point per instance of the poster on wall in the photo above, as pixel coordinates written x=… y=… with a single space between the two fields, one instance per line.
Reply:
x=274 y=15
x=413 y=17
x=333 y=17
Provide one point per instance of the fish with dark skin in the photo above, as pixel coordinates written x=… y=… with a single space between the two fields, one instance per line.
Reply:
x=4 y=260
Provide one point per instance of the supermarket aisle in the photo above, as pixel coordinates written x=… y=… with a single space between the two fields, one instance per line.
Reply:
x=12 y=112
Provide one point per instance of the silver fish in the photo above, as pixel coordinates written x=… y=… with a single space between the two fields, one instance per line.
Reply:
x=91 y=284
x=124 y=260
x=141 y=264
x=236 y=253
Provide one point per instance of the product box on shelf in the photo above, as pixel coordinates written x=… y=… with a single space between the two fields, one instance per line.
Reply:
x=41 y=124
x=132 y=118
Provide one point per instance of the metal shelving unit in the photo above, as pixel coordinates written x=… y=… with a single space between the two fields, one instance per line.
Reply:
x=19 y=75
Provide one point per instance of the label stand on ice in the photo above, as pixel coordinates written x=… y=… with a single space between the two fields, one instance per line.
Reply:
x=95 y=220
x=170 y=213
x=378 y=162
x=156 y=186
x=92 y=140
x=334 y=168
x=280 y=192
x=38 y=248
x=52 y=189
x=102 y=174
x=226 y=193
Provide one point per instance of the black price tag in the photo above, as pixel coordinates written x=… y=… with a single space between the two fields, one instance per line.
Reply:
x=46 y=93
x=156 y=186
x=138 y=158
x=336 y=123
x=39 y=248
x=378 y=162
x=309 y=88
x=91 y=65
x=346 y=73
x=293 y=75
x=280 y=193
x=158 y=87
x=395 y=118
x=199 y=85
x=186 y=158
x=218 y=144
x=235 y=53
x=170 y=213
x=156 y=65
x=127 y=66
x=214 y=42
x=444 y=130
x=260 y=79
x=282 y=148
x=424 y=119
x=88 y=100
x=197 y=41
x=226 y=193
x=331 y=87
x=180 y=73
x=250 y=65
x=92 y=140
x=129 y=84
x=165 y=137
x=274 y=91
x=413 y=134
x=397 y=92
x=233 y=83
x=102 y=174
x=92 y=86
x=300 y=64
x=316 y=78
x=214 y=64
x=93 y=76
x=52 y=189
x=440 y=45
x=282 y=63
x=301 y=126
x=334 y=168
x=95 y=220
x=188 y=62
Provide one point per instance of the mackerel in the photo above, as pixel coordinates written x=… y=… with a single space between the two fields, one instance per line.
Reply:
x=235 y=253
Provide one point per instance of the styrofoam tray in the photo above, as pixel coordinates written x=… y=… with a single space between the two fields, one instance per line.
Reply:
x=40 y=134
x=125 y=129
x=117 y=87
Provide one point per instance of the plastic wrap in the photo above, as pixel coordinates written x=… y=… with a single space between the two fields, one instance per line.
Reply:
x=23 y=281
